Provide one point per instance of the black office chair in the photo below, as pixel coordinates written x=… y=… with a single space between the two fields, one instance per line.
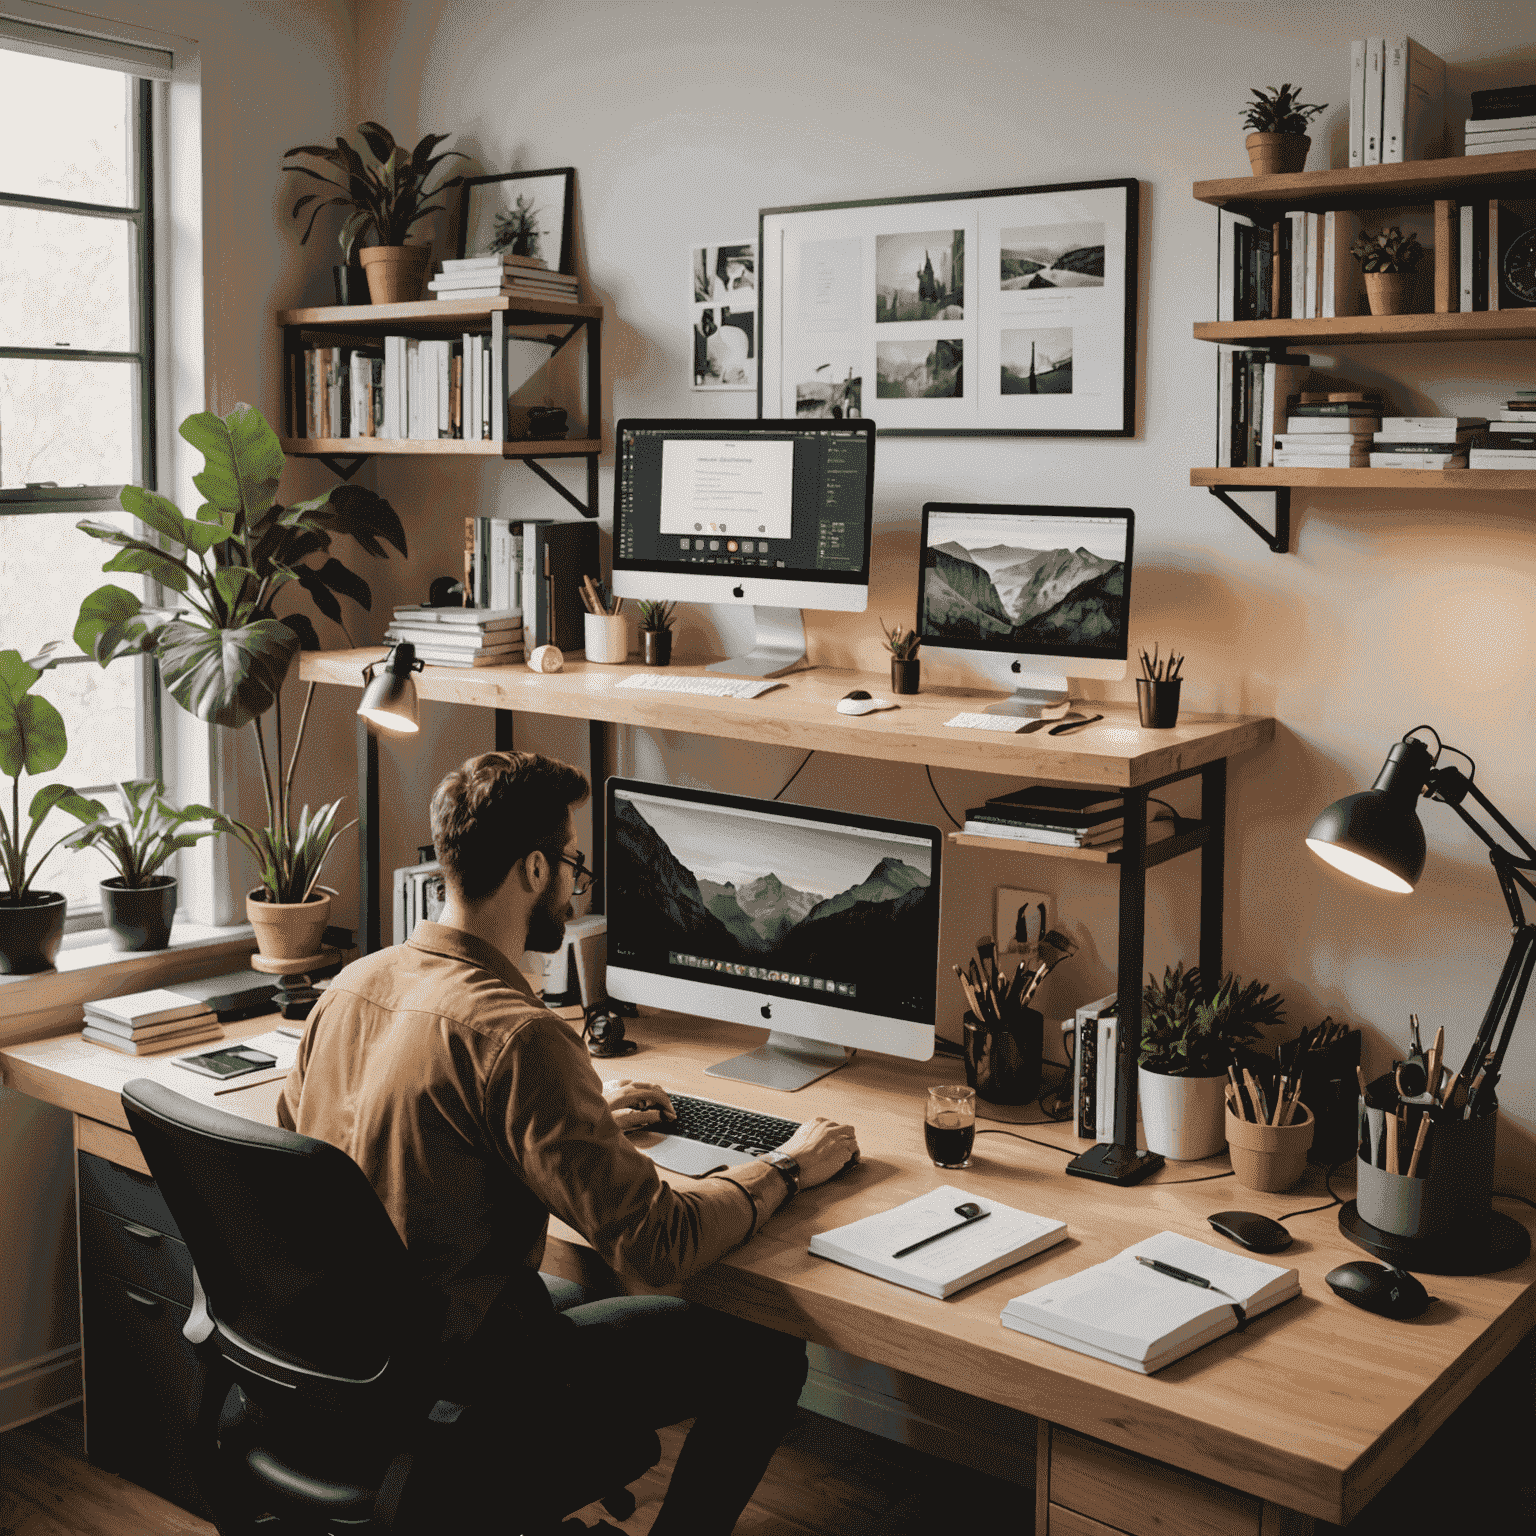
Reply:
x=320 y=1412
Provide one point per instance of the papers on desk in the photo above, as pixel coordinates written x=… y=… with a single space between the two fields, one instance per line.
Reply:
x=284 y=1047
x=940 y=1269
x=973 y=722
x=1130 y=1315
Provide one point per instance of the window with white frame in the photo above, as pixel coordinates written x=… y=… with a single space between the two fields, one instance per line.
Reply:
x=77 y=390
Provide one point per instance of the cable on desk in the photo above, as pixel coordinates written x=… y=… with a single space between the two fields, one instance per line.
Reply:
x=997 y=1130
x=1204 y=1178
x=796 y=774
x=1333 y=1200
x=936 y=795
x=1509 y=1194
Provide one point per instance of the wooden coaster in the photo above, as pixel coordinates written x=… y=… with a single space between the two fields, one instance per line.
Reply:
x=315 y=962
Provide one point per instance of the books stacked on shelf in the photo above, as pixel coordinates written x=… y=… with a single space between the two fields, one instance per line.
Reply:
x=493 y=562
x=1426 y=442
x=1253 y=392
x=1329 y=430
x=1298 y=268
x=1063 y=818
x=534 y=565
x=1511 y=440
x=459 y=637
x=337 y=392
x=493 y=277
x=141 y=1023
x=1487 y=246
x=1502 y=121
x=420 y=896
x=1396 y=101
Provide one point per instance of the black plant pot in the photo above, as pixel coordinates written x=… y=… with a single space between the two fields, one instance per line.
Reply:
x=31 y=930
x=656 y=647
x=139 y=917
x=351 y=285
x=905 y=672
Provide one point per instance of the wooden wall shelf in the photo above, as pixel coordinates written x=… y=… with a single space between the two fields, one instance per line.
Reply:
x=1514 y=480
x=370 y=447
x=1479 y=325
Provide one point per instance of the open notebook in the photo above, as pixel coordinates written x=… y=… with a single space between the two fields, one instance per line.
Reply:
x=1130 y=1315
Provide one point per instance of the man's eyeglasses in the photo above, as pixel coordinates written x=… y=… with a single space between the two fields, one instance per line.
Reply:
x=584 y=876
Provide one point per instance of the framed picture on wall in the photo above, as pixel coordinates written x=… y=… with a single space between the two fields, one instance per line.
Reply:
x=723 y=281
x=1007 y=312
x=520 y=213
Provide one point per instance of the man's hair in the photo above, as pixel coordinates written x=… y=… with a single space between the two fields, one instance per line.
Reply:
x=496 y=809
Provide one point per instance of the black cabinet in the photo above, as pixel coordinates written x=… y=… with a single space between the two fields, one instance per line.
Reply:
x=142 y=1380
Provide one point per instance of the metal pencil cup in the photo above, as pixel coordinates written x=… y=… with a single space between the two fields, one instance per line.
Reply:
x=1452 y=1192
x=1157 y=702
x=1003 y=1063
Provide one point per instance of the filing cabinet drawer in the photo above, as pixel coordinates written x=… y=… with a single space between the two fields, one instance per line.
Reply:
x=125 y=1192
x=113 y=1245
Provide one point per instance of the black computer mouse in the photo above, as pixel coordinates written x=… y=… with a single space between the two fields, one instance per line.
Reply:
x=1251 y=1230
x=858 y=693
x=1378 y=1288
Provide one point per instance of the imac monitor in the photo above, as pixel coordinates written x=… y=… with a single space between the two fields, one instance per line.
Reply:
x=1030 y=596
x=772 y=515
x=821 y=925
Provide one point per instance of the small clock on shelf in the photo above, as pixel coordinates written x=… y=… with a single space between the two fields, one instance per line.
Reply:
x=1519 y=268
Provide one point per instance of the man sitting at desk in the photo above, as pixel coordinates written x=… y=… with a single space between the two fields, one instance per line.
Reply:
x=476 y=1114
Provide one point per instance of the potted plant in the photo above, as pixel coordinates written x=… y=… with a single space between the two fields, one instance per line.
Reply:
x=1388 y=259
x=32 y=740
x=656 y=620
x=1279 y=120
x=139 y=901
x=225 y=652
x=1187 y=1043
x=386 y=199
x=905 y=667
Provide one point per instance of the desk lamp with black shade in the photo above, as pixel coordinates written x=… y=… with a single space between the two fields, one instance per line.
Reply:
x=1376 y=837
x=389 y=697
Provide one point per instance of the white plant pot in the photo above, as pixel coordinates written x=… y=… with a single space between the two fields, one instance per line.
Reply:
x=1183 y=1117
x=607 y=637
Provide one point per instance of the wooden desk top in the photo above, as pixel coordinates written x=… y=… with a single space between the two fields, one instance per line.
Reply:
x=1115 y=752
x=1314 y=1406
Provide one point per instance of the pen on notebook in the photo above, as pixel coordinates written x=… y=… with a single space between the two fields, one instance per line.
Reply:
x=922 y=1242
x=1175 y=1273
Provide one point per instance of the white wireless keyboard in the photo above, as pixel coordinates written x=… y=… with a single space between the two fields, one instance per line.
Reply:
x=713 y=687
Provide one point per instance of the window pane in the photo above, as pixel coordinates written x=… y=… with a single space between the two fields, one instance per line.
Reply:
x=66 y=130
x=65 y=281
x=74 y=423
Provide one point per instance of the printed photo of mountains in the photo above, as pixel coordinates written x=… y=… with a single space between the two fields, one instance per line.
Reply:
x=756 y=892
x=1001 y=592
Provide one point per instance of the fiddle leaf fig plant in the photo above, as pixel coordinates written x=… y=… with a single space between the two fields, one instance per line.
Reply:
x=1184 y=1034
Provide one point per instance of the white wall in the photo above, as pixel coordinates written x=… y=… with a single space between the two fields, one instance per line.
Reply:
x=1396 y=607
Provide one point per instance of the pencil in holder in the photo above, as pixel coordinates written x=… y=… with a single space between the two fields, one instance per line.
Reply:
x=1002 y=1061
x=1449 y=1194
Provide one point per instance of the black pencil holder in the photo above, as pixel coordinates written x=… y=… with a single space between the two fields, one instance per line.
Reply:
x=1002 y=1063
x=1157 y=702
x=1330 y=1090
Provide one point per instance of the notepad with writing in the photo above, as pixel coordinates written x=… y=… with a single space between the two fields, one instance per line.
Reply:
x=1130 y=1315
x=956 y=1260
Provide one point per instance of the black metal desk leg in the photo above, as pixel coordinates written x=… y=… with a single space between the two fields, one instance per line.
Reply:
x=504 y=718
x=369 y=937
x=597 y=762
x=1213 y=866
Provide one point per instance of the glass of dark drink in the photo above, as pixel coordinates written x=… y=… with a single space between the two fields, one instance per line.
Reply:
x=949 y=1125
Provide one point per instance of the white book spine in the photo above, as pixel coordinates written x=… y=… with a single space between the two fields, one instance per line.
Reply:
x=1330 y=261
x=1375 y=60
x=444 y=388
x=1104 y=1105
x=1314 y=261
x=1467 y=215
x=1357 y=102
x=1224 y=365
x=1394 y=99
x=1298 y=265
x=1496 y=127
x=1424 y=109
x=1226 y=263
x=501 y=557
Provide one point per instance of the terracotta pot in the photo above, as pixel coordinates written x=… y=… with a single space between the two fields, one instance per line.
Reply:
x=289 y=930
x=1389 y=293
x=656 y=646
x=1269 y=1157
x=31 y=930
x=1182 y=1116
x=1277 y=154
x=395 y=272
x=139 y=917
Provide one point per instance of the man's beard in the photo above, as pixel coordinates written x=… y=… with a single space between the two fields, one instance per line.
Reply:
x=546 y=924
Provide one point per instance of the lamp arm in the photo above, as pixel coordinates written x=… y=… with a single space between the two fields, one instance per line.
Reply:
x=1481 y=1069
x=1451 y=786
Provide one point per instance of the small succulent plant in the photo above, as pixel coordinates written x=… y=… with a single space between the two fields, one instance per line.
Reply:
x=1279 y=109
x=656 y=615
x=901 y=643
x=1389 y=250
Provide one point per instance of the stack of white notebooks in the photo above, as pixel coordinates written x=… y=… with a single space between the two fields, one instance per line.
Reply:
x=145 y=1022
x=459 y=637
x=1134 y=1316
x=980 y=1248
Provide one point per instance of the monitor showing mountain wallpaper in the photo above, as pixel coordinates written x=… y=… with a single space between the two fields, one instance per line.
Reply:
x=821 y=925
x=1032 y=594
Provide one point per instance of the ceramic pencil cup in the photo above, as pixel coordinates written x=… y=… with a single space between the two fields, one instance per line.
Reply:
x=1269 y=1157
x=607 y=637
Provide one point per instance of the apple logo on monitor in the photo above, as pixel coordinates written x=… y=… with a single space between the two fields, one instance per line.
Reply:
x=766 y=1010
x=1018 y=666
x=738 y=592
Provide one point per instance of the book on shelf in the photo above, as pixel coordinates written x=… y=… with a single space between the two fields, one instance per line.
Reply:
x=1493 y=127
x=1357 y=102
x=1298 y=460
x=1324 y=442
x=1006 y=1237
x=1343 y=282
x=1244 y=252
x=1503 y=101
x=1501 y=143
x=1045 y=816
x=1502 y=458
x=1375 y=61
x=1447 y=258
x=494 y=261
x=1392 y=442
x=1412 y=102
x=158 y=1005
x=1051 y=797
x=556 y=555
x=1086 y=1026
x=1437 y=426
x=1130 y=1315
x=979 y=824
x=1253 y=391
x=1418 y=461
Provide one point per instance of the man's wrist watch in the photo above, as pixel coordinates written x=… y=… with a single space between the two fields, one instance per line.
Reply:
x=785 y=1166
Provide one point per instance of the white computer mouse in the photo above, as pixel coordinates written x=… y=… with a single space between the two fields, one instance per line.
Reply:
x=864 y=706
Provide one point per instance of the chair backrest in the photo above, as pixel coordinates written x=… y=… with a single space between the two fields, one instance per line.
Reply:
x=297 y=1257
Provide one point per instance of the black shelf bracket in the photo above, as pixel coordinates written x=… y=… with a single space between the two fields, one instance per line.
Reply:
x=342 y=468
x=1280 y=540
x=554 y=485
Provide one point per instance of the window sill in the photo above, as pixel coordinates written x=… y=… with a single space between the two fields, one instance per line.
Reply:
x=52 y=1002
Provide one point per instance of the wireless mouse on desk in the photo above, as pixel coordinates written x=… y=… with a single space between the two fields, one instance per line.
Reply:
x=859 y=702
x=1378 y=1288
x=1251 y=1230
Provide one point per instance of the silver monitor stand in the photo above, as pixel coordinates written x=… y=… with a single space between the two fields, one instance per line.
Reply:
x=783 y=1061
x=779 y=646
x=1038 y=696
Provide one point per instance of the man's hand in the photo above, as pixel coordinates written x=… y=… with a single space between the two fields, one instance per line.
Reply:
x=637 y=1106
x=822 y=1147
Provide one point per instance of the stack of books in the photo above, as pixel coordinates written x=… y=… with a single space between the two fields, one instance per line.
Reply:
x=142 y=1023
x=1330 y=430
x=1253 y=391
x=1063 y=818
x=492 y=277
x=1396 y=101
x=1511 y=440
x=459 y=637
x=1502 y=120
x=1297 y=268
x=1426 y=442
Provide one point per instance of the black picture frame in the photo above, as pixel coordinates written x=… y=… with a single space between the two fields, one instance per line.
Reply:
x=848 y=238
x=483 y=197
